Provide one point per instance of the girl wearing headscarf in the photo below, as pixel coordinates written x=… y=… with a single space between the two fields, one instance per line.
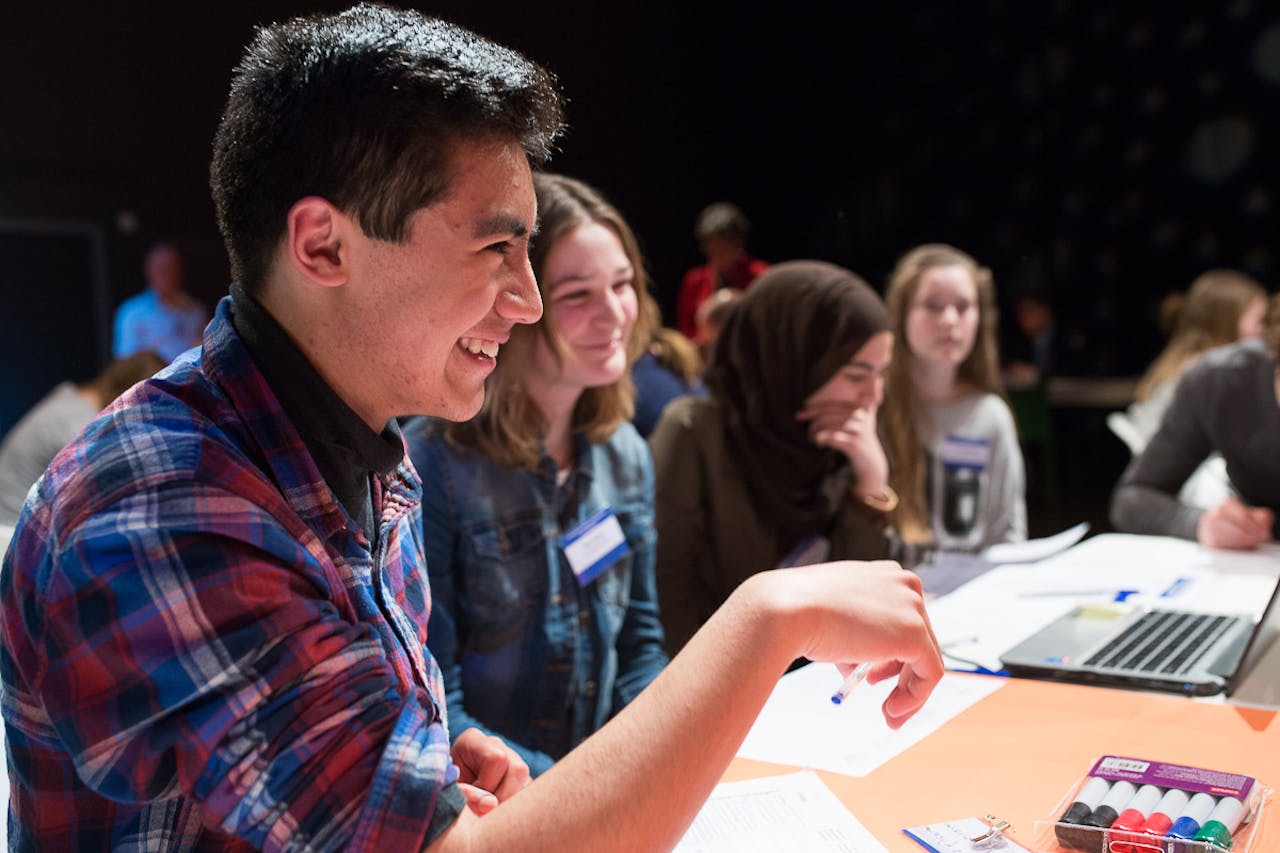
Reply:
x=780 y=464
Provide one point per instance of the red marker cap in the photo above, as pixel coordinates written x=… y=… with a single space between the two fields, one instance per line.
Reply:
x=1157 y=824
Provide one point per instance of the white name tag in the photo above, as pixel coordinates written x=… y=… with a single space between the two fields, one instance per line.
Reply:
x=961 y=452
x=594 y=545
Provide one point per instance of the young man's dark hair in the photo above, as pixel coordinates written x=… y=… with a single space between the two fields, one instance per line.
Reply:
x=377 y=142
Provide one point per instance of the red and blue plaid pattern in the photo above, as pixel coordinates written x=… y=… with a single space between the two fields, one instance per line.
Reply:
x=201 y=651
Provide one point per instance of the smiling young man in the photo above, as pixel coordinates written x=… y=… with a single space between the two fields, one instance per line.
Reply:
x=214 y=606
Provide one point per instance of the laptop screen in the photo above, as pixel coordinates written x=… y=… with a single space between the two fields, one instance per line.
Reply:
x=1259 y=642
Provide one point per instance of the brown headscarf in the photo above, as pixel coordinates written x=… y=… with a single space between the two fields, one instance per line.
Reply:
x=796 y=326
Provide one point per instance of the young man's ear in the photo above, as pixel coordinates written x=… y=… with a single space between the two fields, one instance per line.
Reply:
x=318 y=241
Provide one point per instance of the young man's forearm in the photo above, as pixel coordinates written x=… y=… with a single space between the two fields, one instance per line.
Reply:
x=638 y=782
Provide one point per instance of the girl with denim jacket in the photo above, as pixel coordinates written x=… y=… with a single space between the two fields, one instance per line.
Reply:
x=538 y=514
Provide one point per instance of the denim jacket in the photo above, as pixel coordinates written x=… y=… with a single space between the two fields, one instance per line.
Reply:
x=527 y=653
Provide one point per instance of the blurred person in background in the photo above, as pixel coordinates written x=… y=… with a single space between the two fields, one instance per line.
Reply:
x=52 y=423
x=1221 y=306
x=670 y=367
x=1227 y=402
x=721 y=231
x=163 y=318
x=953 y=447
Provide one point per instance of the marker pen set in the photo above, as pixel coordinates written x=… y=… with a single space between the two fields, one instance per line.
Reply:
x=1130 y=805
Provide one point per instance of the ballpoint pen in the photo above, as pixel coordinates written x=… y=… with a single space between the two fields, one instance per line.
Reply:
x=853 y=680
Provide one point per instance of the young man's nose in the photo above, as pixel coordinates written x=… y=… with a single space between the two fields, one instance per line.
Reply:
x=520 y=300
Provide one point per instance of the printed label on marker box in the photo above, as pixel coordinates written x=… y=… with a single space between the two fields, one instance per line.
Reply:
x=1195 y=779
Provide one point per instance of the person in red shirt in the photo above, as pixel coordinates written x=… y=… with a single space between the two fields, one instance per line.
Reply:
x=721 y=231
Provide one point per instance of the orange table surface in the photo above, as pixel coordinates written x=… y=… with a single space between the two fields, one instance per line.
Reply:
x=1017 y=752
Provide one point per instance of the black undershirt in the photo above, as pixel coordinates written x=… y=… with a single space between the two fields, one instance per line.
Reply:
x=344 y=448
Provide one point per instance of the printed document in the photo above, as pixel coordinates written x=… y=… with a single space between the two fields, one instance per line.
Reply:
x=793 y=812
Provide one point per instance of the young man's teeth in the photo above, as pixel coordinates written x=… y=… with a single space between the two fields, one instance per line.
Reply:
x=489 y=348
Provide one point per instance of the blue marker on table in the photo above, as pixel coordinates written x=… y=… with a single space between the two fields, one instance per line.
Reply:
x=1196 y=813
x=853 y=680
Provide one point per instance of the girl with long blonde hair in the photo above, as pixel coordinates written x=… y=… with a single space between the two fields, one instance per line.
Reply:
x=952 y=445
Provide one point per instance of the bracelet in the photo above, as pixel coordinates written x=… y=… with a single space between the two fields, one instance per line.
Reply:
x=886 y=502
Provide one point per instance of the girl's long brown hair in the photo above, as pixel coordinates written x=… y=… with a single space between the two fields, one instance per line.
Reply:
x=510 y=426
x=900 y=409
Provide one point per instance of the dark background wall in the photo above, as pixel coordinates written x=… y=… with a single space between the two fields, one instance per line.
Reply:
x=1107 y=155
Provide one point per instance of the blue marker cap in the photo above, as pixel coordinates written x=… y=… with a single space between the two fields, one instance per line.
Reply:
x=1184 y=828
x=1195 y=812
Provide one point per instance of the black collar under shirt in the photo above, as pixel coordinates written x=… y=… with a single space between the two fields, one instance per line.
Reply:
x=344 y=448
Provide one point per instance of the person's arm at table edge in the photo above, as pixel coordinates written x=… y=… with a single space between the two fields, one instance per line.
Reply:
x=644 y=776
x=1146 y=498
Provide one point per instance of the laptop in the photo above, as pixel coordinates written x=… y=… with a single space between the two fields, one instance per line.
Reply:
x=1257 y=683
x=1197 y=654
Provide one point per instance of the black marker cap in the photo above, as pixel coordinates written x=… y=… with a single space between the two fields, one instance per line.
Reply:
x=1078 y=813
x=1103 y=816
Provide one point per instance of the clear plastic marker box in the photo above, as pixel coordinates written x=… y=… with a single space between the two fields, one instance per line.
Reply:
x=1204 y=789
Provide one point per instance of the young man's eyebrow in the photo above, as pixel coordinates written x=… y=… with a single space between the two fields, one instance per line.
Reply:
x=502 y=223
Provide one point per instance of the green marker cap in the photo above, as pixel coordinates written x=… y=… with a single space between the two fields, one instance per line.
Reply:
x=1216 y=833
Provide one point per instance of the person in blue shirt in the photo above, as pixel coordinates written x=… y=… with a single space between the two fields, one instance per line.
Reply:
x=670 y=367
x=538 y=514
x=163 y=318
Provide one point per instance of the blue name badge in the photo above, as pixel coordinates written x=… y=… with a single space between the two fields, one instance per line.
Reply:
x=594 y=545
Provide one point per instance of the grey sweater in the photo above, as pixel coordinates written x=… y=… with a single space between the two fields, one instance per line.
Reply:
x=1226 y=403
x=975 y=478
x=33 y=442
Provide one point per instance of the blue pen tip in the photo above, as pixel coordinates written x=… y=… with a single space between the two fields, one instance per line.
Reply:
x=835 y=700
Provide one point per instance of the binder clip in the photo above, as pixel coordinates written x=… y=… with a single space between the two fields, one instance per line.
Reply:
x=996 y=828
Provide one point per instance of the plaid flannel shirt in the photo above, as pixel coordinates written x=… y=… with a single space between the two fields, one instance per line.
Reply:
x=202 y=651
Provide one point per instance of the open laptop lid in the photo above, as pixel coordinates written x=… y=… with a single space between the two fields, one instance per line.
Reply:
x=1256 y=681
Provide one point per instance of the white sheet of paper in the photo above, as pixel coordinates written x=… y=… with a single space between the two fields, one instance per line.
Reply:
x=1033 y=550
x=792 y=812
x=800 y=726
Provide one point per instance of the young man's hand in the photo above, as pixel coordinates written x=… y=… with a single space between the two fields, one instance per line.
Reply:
x=491 y=771
x=851 y=612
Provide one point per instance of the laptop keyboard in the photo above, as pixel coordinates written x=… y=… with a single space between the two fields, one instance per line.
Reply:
x=1163 y=641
